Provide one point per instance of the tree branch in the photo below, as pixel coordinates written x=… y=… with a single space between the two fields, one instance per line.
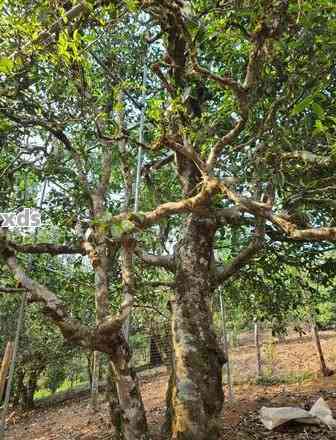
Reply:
x=308 y=157
x=72 y=329
x=165 y=261
x=223 y=81
x=47 y=248
x=225 y=140
x=156 y=165
x=11 y=289
x=195 y=204
x=223 y=273
x=308 y=234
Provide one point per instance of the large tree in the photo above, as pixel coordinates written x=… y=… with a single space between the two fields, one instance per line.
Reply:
x=239 y=134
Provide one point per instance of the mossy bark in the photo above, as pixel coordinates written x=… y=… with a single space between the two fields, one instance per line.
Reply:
x=113 y=402
x=129 y=418
x=195 y=393
x=133 y=417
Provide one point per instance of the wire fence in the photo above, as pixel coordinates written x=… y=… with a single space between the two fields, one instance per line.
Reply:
x=150 y=342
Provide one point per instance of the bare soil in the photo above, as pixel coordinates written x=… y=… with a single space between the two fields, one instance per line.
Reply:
x=240 y=419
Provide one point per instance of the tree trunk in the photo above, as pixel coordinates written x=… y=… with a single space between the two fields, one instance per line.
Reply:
x=195 y=393
x=133 y=418
x=258 y=348
x=316 y=338
x=113 y=402
x=134 y=422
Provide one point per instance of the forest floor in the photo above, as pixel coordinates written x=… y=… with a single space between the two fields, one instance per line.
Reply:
x=291 y=368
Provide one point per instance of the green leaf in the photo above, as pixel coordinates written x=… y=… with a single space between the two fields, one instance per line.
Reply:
x=319 y=128
x=6 y=65
x=132 y=5
x=302 y=105
x=318 y=110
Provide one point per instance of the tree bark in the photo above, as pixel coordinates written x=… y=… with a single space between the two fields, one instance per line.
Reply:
x=113 y=402
x=195 y=393
x=131 y=414
x=134 y=422
x=132 y=408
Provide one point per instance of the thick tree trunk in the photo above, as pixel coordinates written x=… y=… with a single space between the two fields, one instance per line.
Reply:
x=195 y=393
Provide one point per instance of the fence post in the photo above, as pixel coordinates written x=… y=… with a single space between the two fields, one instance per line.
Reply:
x=257 y=345
x=95 y=381
x=12 y=367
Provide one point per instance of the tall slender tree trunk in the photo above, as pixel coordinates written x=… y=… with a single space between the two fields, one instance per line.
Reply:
x=131 y=404
x=195 y=391
x=134 y=424
x=258 y=348
x=131 y=413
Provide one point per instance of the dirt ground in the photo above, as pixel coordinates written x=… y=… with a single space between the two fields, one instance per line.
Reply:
x=240 y=419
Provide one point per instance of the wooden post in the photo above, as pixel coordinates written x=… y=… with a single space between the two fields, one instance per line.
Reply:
x=95 y=382
x=12 y=366
x=5 y=367
x=316 y=338
x=257 y=345
x=315 y=334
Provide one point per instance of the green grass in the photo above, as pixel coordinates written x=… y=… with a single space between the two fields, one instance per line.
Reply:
x=41 y=394
x=285 y=379
x=65 y=386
